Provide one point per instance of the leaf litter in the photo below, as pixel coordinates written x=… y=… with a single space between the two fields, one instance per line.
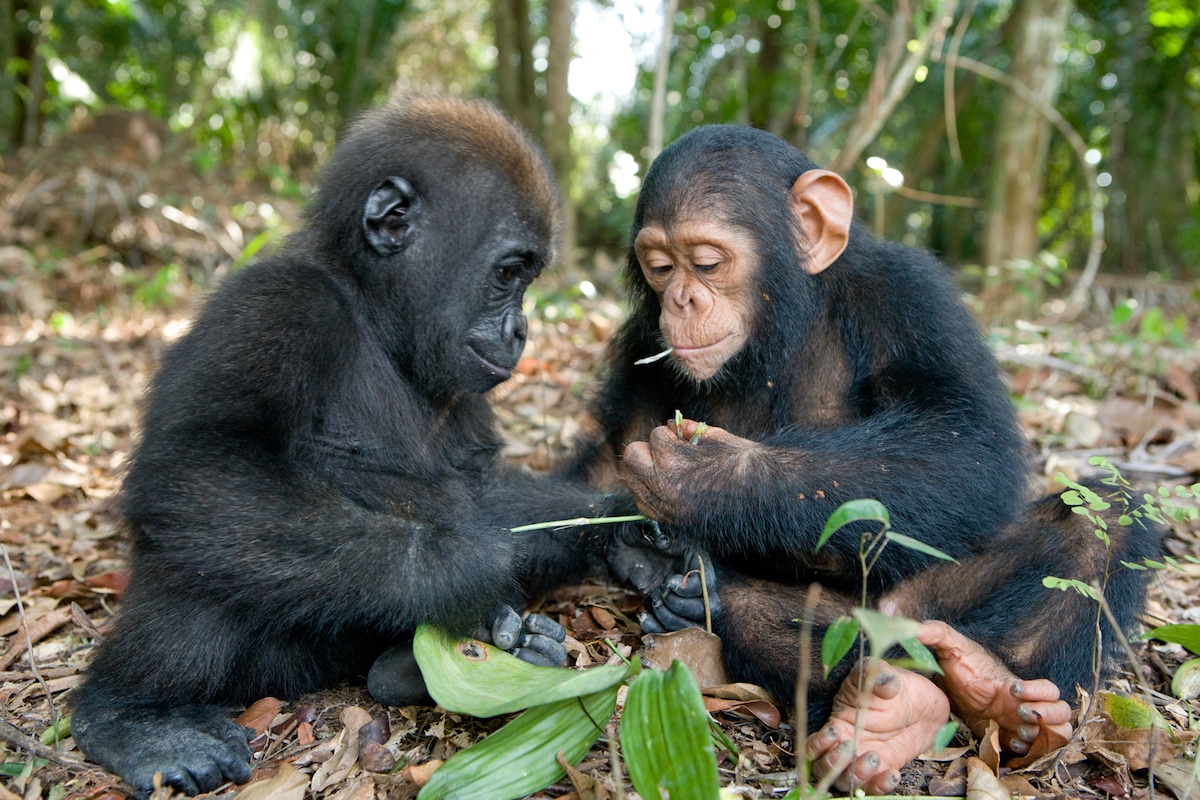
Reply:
x=74 y=363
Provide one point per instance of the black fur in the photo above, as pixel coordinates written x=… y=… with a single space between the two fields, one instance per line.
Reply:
x=318 y=472
x=869 y=379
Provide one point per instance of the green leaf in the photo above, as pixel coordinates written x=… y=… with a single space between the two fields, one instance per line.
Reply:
x=1071 y=498
x=471 y=677
x=839 y=638
x=521 y=758
x=665 y=736
x=1064 y=584
x=918 y=545
x=921 y=657
x=56 y=731
x=945 y=735
x=883 y=632
x=1186 y=634
x=1131 y=713
x=1186 y=683
x=854 y=511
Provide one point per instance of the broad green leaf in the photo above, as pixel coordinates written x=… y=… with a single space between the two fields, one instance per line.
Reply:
x=839 y=638
x=1131 y=713
x=919 y=546
x=854 y=511
x=471 y=677
x=883 y=631
x=665 y=736
x=1186 y=634
x=521 y=758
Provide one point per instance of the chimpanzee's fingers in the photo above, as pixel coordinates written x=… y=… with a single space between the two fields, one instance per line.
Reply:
x=506 y=628
x=543 y=625
x=541 y=651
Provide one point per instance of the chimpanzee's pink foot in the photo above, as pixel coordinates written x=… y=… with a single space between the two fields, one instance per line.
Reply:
x=902 y=713
x=1032 y=720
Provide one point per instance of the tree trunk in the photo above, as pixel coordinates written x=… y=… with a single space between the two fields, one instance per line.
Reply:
x=662 y=69
x=1014 y=200
x=9 y=117
x=557 y=122
x=514 y=62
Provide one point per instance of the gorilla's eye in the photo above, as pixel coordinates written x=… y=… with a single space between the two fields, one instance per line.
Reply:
x=511 y=269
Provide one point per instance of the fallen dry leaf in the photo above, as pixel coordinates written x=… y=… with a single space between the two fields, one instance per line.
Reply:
x=260 y=715
x=1137 y=747
x=982 y=783
x=698 y=649
x=345 y=755
x=288 y=783
x=420 y=774
x=356 y=789
x=951 y=784
x=39 y=629
x=989 y=747
x=1179 y=774
x=586 y=787
x=765 y=712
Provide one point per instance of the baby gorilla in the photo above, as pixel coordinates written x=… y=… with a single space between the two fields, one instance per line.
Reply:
x=318 y=472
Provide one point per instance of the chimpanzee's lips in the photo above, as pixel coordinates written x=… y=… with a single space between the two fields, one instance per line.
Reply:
x=686 y=351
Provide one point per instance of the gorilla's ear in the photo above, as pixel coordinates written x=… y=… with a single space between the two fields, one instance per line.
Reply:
x=387 y=215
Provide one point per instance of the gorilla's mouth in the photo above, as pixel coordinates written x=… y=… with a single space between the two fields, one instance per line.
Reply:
x=500 y=373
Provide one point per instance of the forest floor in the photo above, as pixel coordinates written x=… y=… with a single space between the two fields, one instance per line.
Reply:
x=96 y=281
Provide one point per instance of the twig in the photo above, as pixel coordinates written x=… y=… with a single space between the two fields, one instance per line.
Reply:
x=568 y=523
x=802 y=681
x=1079 y=293
x=16 y=650
x=704 y=593
x=948 y=82
x=615 y=760
x=18 y=738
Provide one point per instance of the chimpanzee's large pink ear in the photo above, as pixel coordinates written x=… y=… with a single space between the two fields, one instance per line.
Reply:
x=823 y=204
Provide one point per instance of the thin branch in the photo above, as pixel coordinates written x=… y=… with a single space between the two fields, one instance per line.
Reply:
x=872 y=115
x=18 y=738
x=661 y=69
x=1078 y=296
x=14 y=652
x=948 y=83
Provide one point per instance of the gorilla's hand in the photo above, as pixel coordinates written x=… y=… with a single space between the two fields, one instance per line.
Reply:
x=193 y=749
x=642 y=556
x=679 y=601
x=536 y=638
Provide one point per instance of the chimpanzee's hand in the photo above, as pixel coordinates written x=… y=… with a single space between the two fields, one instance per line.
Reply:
x=536 y=638
x=679 y=601
x=660 y=471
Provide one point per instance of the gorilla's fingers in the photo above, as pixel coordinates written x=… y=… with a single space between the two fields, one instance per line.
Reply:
x=541 y=651
x=650 y=624
x=506 y=628
x=540 y=624
x=668 y=618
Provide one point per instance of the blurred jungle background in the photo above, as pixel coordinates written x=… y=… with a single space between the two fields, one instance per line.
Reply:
x=1047 y=150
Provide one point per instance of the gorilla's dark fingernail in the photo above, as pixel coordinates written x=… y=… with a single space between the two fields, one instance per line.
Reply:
x=1024 y=713
x=1017 y=688
x=873 y=760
